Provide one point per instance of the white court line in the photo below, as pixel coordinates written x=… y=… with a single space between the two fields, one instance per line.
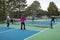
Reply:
x=37 y=33
x=8 y=30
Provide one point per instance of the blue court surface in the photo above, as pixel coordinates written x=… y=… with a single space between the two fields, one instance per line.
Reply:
x=15 y=34
x=40 y=22
x=18 y=34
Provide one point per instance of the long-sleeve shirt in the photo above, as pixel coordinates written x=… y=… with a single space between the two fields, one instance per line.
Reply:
x=22 y=20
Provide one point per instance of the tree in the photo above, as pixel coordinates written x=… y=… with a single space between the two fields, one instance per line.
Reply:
x=52 y=9
x=2 y=10
x=9 y=7
x=41 y=13
x=20 y=5
x=32 y=9
x=13 y=6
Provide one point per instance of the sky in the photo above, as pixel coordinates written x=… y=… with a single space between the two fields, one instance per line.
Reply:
x=44 y=3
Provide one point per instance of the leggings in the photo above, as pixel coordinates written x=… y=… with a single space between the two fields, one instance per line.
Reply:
x=8 y=24
x=23 y=24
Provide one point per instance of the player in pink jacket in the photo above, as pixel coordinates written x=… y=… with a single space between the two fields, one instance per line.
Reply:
x=22 y=20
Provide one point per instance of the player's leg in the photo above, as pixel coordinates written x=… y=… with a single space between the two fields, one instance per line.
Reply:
x=21 y=26
x=8 y=25
x=24 y=26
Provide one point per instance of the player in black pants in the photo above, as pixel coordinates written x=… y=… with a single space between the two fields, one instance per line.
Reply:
x=8 y=21
x=52 y=20
x=22 y=20
x=22 y=24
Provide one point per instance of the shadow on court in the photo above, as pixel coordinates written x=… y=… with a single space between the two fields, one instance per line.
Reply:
x=39 y=26
x=43 y=26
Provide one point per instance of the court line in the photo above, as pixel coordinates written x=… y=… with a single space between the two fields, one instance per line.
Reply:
x=37 y=33
x=8 y=30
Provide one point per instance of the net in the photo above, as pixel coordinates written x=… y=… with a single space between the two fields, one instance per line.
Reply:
x=45 y=22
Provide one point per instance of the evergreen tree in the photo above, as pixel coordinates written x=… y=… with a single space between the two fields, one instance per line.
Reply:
x=52 y=9
x=32 y=9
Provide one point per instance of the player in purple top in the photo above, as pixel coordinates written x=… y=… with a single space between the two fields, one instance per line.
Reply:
x=22 y=20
